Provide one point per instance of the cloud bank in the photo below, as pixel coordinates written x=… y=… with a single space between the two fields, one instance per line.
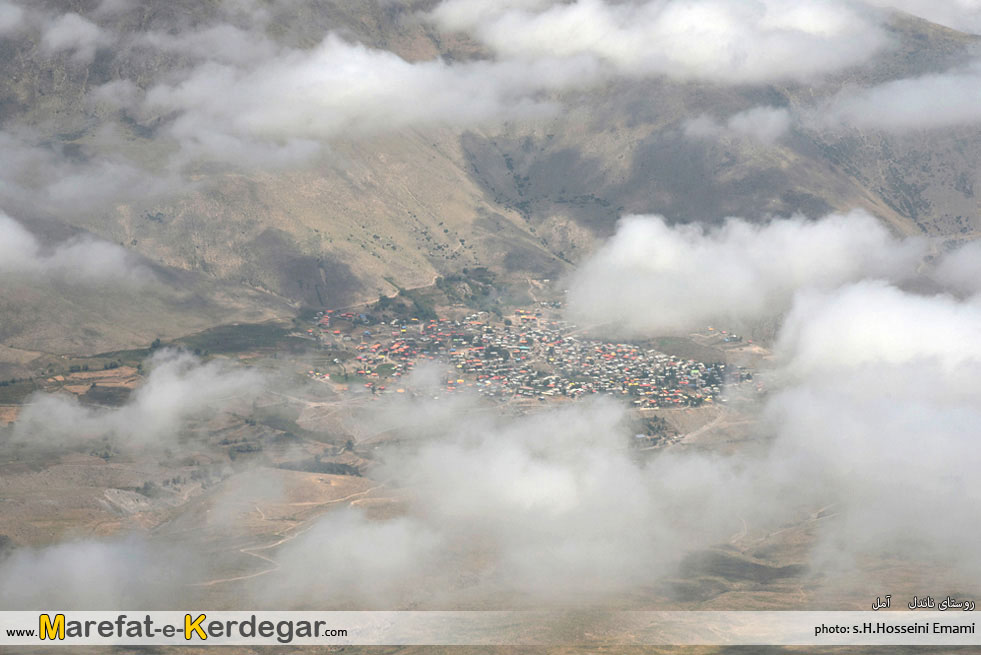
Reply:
x=95 y=575
x=290 y=103
x=551 y=507
x=11 y=17
x=871 y=423
x=706 y=39
x=654 y=278
x=764 y=124
x=248 y=100
x=872 y=322
x=960 y=270
x=226 y=90
x=178 y=387
x=544 y=507
x=963 y=15
x=875 y=401
x=879 y=410
x=74 y=34
x=82 y=260
x=872 y=417
x=43 y=176
x=940 y=100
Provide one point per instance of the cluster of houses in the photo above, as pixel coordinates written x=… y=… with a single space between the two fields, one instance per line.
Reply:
x=530 y=356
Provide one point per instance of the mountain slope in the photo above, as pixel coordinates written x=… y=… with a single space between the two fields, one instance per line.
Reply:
x=526 y=198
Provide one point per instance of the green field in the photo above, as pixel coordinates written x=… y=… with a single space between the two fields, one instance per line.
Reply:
x=242 y=338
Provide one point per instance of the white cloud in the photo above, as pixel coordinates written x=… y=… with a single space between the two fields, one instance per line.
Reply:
x=873 y=322
x=652 y=277
x=341 y=89
x=960 y=270
x=879 y=412
x=178 y=387
x=727 y=42
x=92 y=574
x=930 y=101
x=75 y=34
x=11 y=17
x=964 y=15
x=249 y=100
x=43 y=177
x=764 y=124
x=78 y=260
x=541 y=507
x=875 y=405
x=219 y=43
x=346 y=557
x=875 y=410
x=19 y=250
x=874 y=402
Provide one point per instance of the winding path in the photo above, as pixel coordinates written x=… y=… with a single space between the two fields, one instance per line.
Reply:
x=252 y=551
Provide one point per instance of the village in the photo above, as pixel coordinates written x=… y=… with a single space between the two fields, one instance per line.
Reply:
x=531 y=355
